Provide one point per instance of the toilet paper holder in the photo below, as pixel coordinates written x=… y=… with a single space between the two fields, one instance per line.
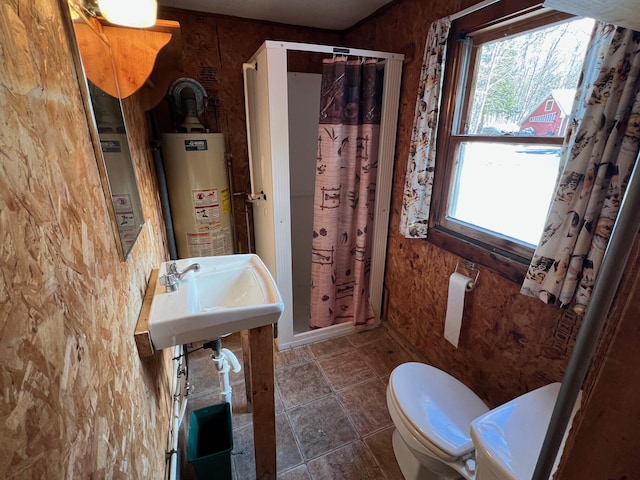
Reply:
x=471 y=271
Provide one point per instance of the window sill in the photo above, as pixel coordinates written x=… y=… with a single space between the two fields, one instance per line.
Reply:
x=510 y=267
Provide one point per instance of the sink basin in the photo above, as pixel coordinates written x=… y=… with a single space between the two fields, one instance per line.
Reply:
x=228 y=294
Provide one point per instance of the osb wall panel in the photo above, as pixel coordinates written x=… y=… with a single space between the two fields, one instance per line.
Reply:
x=213 y=50
x=604 y=440
x=75 y=399
x=509 y=343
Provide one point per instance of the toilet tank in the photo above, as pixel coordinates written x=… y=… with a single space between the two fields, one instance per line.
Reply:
x=508 y=439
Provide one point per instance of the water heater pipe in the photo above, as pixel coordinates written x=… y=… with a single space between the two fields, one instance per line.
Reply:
x=234 y=232
x=246 y=219
x=247 y=111
x=189 y=100
x=613 y=266
x=162 y=185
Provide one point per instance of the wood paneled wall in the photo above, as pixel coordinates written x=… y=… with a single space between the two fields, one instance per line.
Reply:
x=76 y=401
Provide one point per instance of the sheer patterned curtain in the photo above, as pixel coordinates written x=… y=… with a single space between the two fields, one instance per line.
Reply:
x=418 y=187
x=348 y=133
x=601 y=151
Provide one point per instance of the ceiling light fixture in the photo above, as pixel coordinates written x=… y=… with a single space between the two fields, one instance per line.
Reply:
x=130 y=13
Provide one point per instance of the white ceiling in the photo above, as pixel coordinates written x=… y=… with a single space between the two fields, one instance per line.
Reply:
x=620 y=12
x=308 y=13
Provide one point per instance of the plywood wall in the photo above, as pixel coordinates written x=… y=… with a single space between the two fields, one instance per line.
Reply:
x=75 y=399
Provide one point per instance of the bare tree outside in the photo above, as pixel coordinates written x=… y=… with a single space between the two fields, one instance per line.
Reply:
x=516 y=73
x=523 y=86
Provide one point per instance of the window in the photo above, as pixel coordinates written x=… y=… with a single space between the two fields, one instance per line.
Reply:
x=510 y=81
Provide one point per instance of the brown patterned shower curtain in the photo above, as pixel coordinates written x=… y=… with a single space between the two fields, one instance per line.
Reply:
x=348 y=134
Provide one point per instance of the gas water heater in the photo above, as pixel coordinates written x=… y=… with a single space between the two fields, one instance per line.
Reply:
x=197 y=179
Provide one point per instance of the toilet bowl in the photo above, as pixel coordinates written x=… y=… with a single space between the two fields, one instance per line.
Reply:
x=432 y=412
x=444 y=431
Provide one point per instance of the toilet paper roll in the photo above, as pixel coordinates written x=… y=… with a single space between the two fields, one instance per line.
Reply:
x=458 y=285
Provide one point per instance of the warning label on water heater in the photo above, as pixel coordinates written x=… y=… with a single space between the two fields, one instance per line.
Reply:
x=206 y=206
x=200 y=244
x=195 y=145
x=215 y=242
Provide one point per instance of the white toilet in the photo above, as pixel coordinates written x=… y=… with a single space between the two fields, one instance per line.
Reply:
x=433 y=414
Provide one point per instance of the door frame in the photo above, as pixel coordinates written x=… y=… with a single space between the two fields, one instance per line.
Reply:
x=266 y=106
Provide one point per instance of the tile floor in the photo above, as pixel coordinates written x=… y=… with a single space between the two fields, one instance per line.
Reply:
x=331 y=413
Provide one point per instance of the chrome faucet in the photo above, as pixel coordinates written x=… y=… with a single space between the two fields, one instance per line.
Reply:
x=173 y=276
x=173 y=268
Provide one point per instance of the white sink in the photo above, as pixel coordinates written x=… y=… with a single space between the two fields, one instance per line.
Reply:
x=227 y=294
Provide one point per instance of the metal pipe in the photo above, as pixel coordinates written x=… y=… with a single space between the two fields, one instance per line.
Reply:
x=246 y=217
x=232 y=197
x=162 y=185
x=618 y=251
x=178 y=408
x=247 y=112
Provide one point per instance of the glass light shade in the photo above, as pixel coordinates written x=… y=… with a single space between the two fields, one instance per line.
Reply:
x=129 y=13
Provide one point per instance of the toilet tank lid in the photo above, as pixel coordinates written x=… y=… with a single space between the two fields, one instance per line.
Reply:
x=438 y=405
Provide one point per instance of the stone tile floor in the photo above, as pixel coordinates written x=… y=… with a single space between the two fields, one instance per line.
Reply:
x=331 y=413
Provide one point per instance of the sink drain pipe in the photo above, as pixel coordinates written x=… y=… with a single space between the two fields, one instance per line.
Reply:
x=162 y=186
x=616 y=256
x=225 y=361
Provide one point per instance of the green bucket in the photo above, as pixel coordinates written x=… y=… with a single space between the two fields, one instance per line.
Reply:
x=210 y=442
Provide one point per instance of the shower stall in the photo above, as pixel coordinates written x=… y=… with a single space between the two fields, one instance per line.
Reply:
x=282 y=110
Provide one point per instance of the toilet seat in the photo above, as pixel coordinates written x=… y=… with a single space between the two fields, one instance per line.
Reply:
x=436 y=408
x=417 y=439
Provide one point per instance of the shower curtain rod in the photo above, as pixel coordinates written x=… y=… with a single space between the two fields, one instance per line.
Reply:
x=309 y=47
x=471 y=9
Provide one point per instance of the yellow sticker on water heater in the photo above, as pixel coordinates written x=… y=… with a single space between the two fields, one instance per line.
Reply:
x=225 y=201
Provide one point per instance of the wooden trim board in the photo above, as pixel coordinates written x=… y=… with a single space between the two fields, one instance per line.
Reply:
x=142 y=335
